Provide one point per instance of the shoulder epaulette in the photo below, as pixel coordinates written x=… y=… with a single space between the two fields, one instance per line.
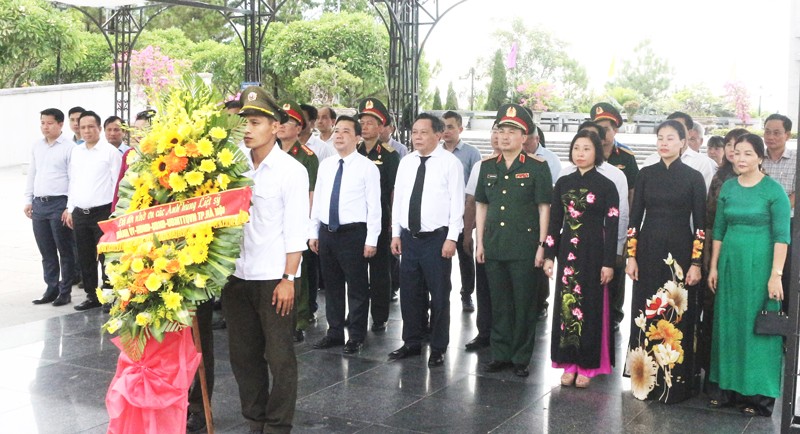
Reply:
x=388 y=147
x=307 y=149
x=538 y=158
x=625 y=149
x=490 y=157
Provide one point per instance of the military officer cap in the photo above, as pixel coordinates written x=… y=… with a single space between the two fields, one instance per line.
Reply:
x=294 y=111
x=256 y=101
x=373 y=107
x=604 y=110
x=516 y=116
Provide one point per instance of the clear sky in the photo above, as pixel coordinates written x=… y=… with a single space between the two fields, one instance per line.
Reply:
x=705 y=41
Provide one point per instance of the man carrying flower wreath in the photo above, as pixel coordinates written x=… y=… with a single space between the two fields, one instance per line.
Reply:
x=259 y=298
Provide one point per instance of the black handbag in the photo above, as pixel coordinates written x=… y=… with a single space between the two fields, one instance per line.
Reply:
x=773 y=322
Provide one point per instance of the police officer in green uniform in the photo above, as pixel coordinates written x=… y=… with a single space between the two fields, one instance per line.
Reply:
x=289 y=134
x=373 y=116
x=621 y=156
x=513 y=206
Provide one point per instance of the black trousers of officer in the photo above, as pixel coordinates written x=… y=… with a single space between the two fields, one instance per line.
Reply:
x=205 y=313
x=380 y=285
x=87 y=234
x=466 y=267
x=422 y=266
x=261 y=343
x=341 y=256
x=484 y=300
x=56 y=244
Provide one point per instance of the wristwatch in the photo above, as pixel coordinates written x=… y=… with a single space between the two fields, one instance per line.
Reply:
x=541 y=244
x=289 y=277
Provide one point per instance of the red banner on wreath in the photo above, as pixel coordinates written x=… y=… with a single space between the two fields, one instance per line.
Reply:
x=175 y=219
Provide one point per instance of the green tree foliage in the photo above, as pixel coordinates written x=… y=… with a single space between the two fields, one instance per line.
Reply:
x=327 y=85
x=696 y=100
x=354 y=42
x=197 y=24
x=646 y=73
x=347 y=6
x=437 y=100
x=224 y=61
x=452 y=101
x=498 y=87
x=93 y=62
x=32 y=31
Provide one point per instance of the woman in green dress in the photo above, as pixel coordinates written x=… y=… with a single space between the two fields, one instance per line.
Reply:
x=751 y=235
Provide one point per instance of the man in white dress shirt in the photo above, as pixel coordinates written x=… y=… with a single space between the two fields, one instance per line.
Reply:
x=427 y=217
x=325 y=120
x=690 y=155
x=93 y=172
x=259 y=298
x=320 y=147
x=346 y=222
x=45 y=204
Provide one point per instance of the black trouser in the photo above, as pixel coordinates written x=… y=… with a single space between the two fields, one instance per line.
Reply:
x=314 y=271
x=205 y=312
x=466 y=266
x=379 y=277
x=56 y=244
x=395 y=272
x=616 y=289
x=341 y=255
x=484 y=301
x=422 y=266
x=261 y=343
x=543 y=283
x=87 y=234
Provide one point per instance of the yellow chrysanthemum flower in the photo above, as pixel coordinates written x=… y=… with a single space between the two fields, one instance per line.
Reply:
x=200 y=281
x=225 y=157
x=218 y=133
x=137 y=265
x=172 y=300
x=142 y=248
x=143 y=319
x=205 y=147
x=177 y=182
x=208 y=165
x=113 y=325
x=125 y=294
x=194 y=178
x=160 y=264
x=179 y=150
x=223 y=181
x=153 y=282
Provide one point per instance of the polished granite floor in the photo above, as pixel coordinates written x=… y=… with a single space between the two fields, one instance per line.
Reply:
x=55 y=373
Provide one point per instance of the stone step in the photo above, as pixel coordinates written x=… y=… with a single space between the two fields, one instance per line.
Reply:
x=561 y=148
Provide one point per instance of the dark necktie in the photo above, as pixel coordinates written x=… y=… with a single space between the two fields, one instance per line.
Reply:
x=415 y=204
x=333 y=213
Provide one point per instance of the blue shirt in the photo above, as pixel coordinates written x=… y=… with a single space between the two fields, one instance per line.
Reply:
x=552 y=161
x=468 y=155
x=399 y=147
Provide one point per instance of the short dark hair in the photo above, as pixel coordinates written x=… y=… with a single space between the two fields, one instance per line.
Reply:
x=677 y=126
x=735 y=134
x=686 y=118
x=715 y=142
x=452 y=115
x=76 y=109
x=111 y=119
x=345 y=118
x=787 y=123
x=598 y=145
x=755 y=141
x=311 y=112
x=55 y=113
x=389 y=120
x=436 y=122
x=88 y=114
x=601 y=130
x=233 y=104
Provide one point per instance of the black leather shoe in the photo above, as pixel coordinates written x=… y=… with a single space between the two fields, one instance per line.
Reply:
x=62 y=299
x=467 y=306
x=542 y=314
x=497 y=366
x=107 y=307
x=219 y=324
x=195 y=423
x=80 y=284
x=352 y=347
x=299 y=336
x=46 y=299
x=436 y=359
x=404 y=351
x=88 y=304
x=616 y=326
x=477 y=343
x=379 y=326
x=521 y=371
x=327 y=342
x=395 y=296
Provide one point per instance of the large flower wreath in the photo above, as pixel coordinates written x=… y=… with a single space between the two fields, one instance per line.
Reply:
x=173 y=243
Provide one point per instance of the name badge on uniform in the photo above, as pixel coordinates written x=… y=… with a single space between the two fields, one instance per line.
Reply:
x=491 y=176
x=377 y=162
x=522 y=175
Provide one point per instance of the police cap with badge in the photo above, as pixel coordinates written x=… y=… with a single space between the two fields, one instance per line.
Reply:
x=256 y=102
x=375 y=108
x=605 y=111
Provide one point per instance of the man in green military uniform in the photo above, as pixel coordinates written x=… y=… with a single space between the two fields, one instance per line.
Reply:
x=289 y=136
x=373 y=116
x=513 y=207
x=620 y=156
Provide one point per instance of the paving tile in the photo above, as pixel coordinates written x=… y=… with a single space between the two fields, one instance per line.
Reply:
x=433 y=415
x=355 y=402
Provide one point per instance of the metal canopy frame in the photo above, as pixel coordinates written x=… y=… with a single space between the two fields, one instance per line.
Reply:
x=123 y=25
x=402 y=20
